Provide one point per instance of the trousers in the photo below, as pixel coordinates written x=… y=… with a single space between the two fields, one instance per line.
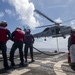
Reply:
x=4 y=54
x=19 y=45
x=26 y=51
x=72 y=53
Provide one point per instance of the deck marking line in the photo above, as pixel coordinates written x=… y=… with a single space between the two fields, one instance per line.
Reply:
x=0 y=55
x=18 y=72
x=57 y=68
x=57 y=56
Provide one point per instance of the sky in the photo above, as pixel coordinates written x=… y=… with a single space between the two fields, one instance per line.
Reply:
x=21 y=13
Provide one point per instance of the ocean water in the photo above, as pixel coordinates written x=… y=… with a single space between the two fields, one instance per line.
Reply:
x=46 y=49
x=52 y=49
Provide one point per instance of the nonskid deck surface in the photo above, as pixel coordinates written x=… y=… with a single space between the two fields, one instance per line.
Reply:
x=55 y=64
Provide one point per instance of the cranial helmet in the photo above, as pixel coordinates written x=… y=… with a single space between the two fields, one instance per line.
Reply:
x=28 y=30
x=19 y=28
x=3 y=24
x=72 y=31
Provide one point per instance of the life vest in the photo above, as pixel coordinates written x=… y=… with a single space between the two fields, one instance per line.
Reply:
x=73 y=38
x=3 y=34
x=19 y=35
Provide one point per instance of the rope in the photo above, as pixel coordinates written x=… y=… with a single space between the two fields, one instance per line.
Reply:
x=44 y=52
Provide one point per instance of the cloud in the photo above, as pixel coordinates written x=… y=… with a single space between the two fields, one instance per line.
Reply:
x=73 y=24
x=9 y=12
x=25 y=10
x=58 y=20
x=3 y=0
x=1 y=14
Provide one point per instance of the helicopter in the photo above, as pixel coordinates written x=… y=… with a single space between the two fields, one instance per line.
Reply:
x=54 y=30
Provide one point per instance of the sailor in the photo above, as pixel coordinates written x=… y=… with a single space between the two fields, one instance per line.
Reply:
x=69 y=44
x=28 y=40
x=72 y=47
x=18 y=38
x=4 y=37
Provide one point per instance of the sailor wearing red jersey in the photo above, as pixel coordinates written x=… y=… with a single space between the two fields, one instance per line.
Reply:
x=4 y=37
x=17 y=37
x=72 y=48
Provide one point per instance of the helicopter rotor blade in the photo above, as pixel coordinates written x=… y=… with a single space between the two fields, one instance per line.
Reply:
x=45 y=26
x=45 y=16
x=68 y=20
x=55 y=23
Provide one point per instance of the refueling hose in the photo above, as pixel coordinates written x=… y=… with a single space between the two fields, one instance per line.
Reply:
x=44 y=52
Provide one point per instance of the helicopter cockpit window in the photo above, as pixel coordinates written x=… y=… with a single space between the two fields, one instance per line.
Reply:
x=46 y=29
